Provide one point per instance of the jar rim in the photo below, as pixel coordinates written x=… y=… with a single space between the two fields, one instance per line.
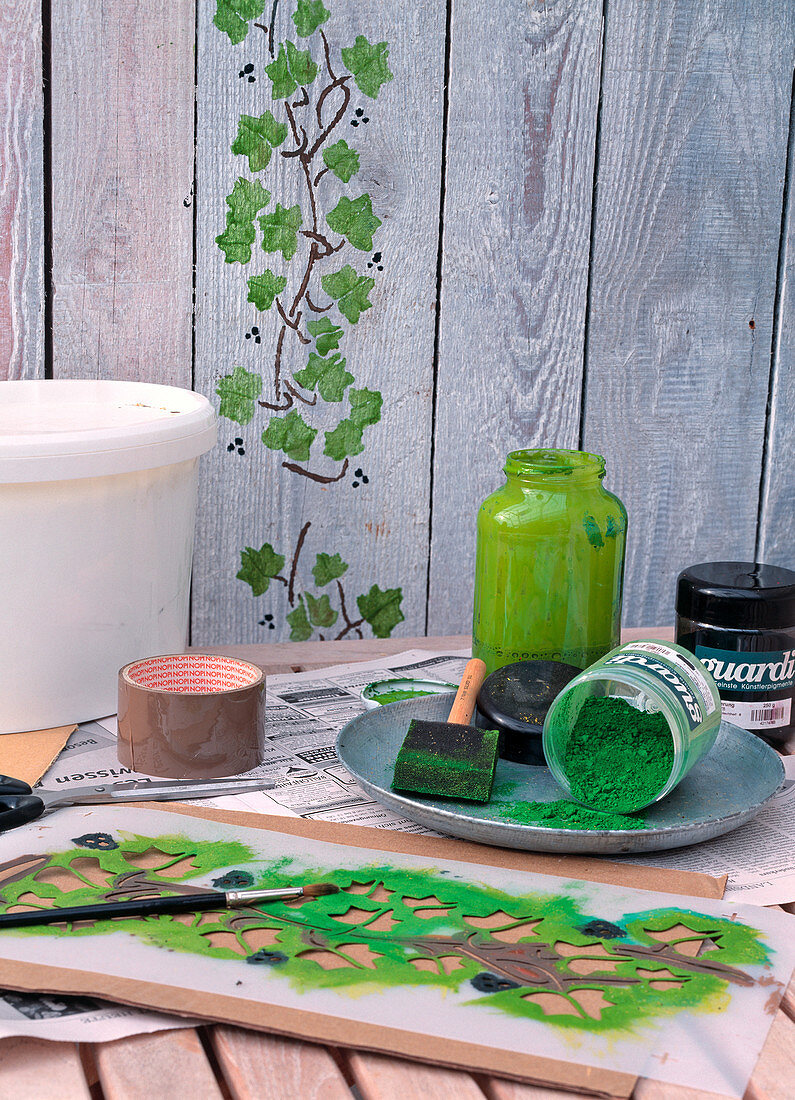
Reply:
x=553 y=462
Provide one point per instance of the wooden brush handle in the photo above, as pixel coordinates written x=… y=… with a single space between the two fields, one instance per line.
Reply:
x=467 y=694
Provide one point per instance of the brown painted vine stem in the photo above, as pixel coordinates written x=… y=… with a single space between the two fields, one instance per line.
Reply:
x=348 y=624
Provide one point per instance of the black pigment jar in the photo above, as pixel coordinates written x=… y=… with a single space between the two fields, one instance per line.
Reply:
x=738 y=618
x=514 y=700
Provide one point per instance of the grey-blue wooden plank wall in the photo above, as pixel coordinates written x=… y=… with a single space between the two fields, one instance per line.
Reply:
x=584 y=245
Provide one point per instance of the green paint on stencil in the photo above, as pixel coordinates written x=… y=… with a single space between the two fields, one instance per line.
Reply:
x=389 y=928
x=238 y=392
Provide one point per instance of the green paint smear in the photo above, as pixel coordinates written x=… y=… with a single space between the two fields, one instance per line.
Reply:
x=396 y=696
x=430 y=915
x=617 y=756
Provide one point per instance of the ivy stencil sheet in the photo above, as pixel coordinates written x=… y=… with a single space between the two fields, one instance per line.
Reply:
x=680 y=989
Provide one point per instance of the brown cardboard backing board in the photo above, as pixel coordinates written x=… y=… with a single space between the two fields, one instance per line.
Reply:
x=27 y=756
x=316 y=1027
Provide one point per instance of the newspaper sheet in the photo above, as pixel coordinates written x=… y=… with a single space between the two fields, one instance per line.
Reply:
x=305 y=711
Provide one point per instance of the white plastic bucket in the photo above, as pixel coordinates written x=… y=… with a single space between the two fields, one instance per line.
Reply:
x=98 y=484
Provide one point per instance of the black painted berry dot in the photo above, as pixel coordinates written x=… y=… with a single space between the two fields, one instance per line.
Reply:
x=365 y=480
x=254 y=330
x=248 y=68
x=369 y=265
x=359 y=112
x=354 y=122
x=604 y=929
x=231 y=447
x=269 y=958
x=492 y=983
x=251 y=79
x=102 y=842
x=234 y=880
x=248 y=335
x=377 y=257
x=358 y=473
x=365 y=119
x=356 y=485
x=380 y=267
x=238 y=440
x=241 y=451
x=271 y=626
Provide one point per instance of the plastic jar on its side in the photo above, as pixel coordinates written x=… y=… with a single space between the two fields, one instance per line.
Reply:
x=653 y=676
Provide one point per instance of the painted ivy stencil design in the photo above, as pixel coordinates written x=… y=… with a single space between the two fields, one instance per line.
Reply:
x=304 y=263
x=316 y=292
x=538 y=956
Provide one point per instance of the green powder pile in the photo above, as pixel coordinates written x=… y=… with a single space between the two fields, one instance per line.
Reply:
x=617 y=757
x=563 y=814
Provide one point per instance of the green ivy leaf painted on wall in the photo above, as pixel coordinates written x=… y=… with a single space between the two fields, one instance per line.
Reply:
x=327 y=335
x=327 y=568
x=368 y=65
x=280 y=230
x=290 y=434
x=291 y=68
x=233 y=16
x=355 y=220
x=381 y=609
x=300 y=629
x=341 y=160
x=328 y=375
x=262 y=289
x=309 y=15
x=321 y=613
x=349 y=291
x=247 y=198
x=259 y=567
x=257 y=138
x=238 y=392
x=365 y=406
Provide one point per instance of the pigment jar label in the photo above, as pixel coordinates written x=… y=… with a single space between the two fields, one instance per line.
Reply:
x=676 y=671
x=756 y=688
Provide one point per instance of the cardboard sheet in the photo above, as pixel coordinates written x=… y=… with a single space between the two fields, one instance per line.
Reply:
x=700 y=979
x=27 y=756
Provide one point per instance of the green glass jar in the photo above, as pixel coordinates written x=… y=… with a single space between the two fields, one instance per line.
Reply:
x=550 y=562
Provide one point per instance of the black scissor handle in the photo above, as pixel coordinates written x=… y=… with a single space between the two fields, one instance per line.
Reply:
x=18 y=804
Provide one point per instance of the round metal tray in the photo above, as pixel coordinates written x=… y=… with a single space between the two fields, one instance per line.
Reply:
x=723 y=791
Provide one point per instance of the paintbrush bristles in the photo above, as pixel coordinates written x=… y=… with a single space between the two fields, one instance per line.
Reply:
x=318 y=889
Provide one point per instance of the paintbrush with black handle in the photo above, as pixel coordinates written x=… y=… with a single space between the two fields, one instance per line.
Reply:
x=174 y=903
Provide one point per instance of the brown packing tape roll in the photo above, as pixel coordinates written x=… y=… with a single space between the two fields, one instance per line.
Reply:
x=191 y=716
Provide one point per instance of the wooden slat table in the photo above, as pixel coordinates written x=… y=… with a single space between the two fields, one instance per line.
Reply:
x=229 y=1062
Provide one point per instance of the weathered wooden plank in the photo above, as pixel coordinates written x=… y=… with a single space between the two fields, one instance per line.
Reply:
x=524 y=86
x=695 y=101
x=379 y=526
x=122 y=176
x=255 y=1065
x=32 y=1069
x=379 y=1077
x=167 y=1063
x=777 y=504
x=21 y=192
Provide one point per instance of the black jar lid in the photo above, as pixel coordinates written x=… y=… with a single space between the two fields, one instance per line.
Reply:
x=515 y=699
x=739 y=595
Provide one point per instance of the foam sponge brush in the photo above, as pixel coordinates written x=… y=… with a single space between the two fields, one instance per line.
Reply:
x=450 y=759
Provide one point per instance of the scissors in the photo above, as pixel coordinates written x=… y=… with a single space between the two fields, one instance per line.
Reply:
x=18 y=803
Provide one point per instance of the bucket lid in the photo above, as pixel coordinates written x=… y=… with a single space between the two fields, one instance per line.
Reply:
x=57 y=429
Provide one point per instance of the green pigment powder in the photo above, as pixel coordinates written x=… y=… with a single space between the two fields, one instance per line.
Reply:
x=397 y=696
x=563 y=814
x=617 y=757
